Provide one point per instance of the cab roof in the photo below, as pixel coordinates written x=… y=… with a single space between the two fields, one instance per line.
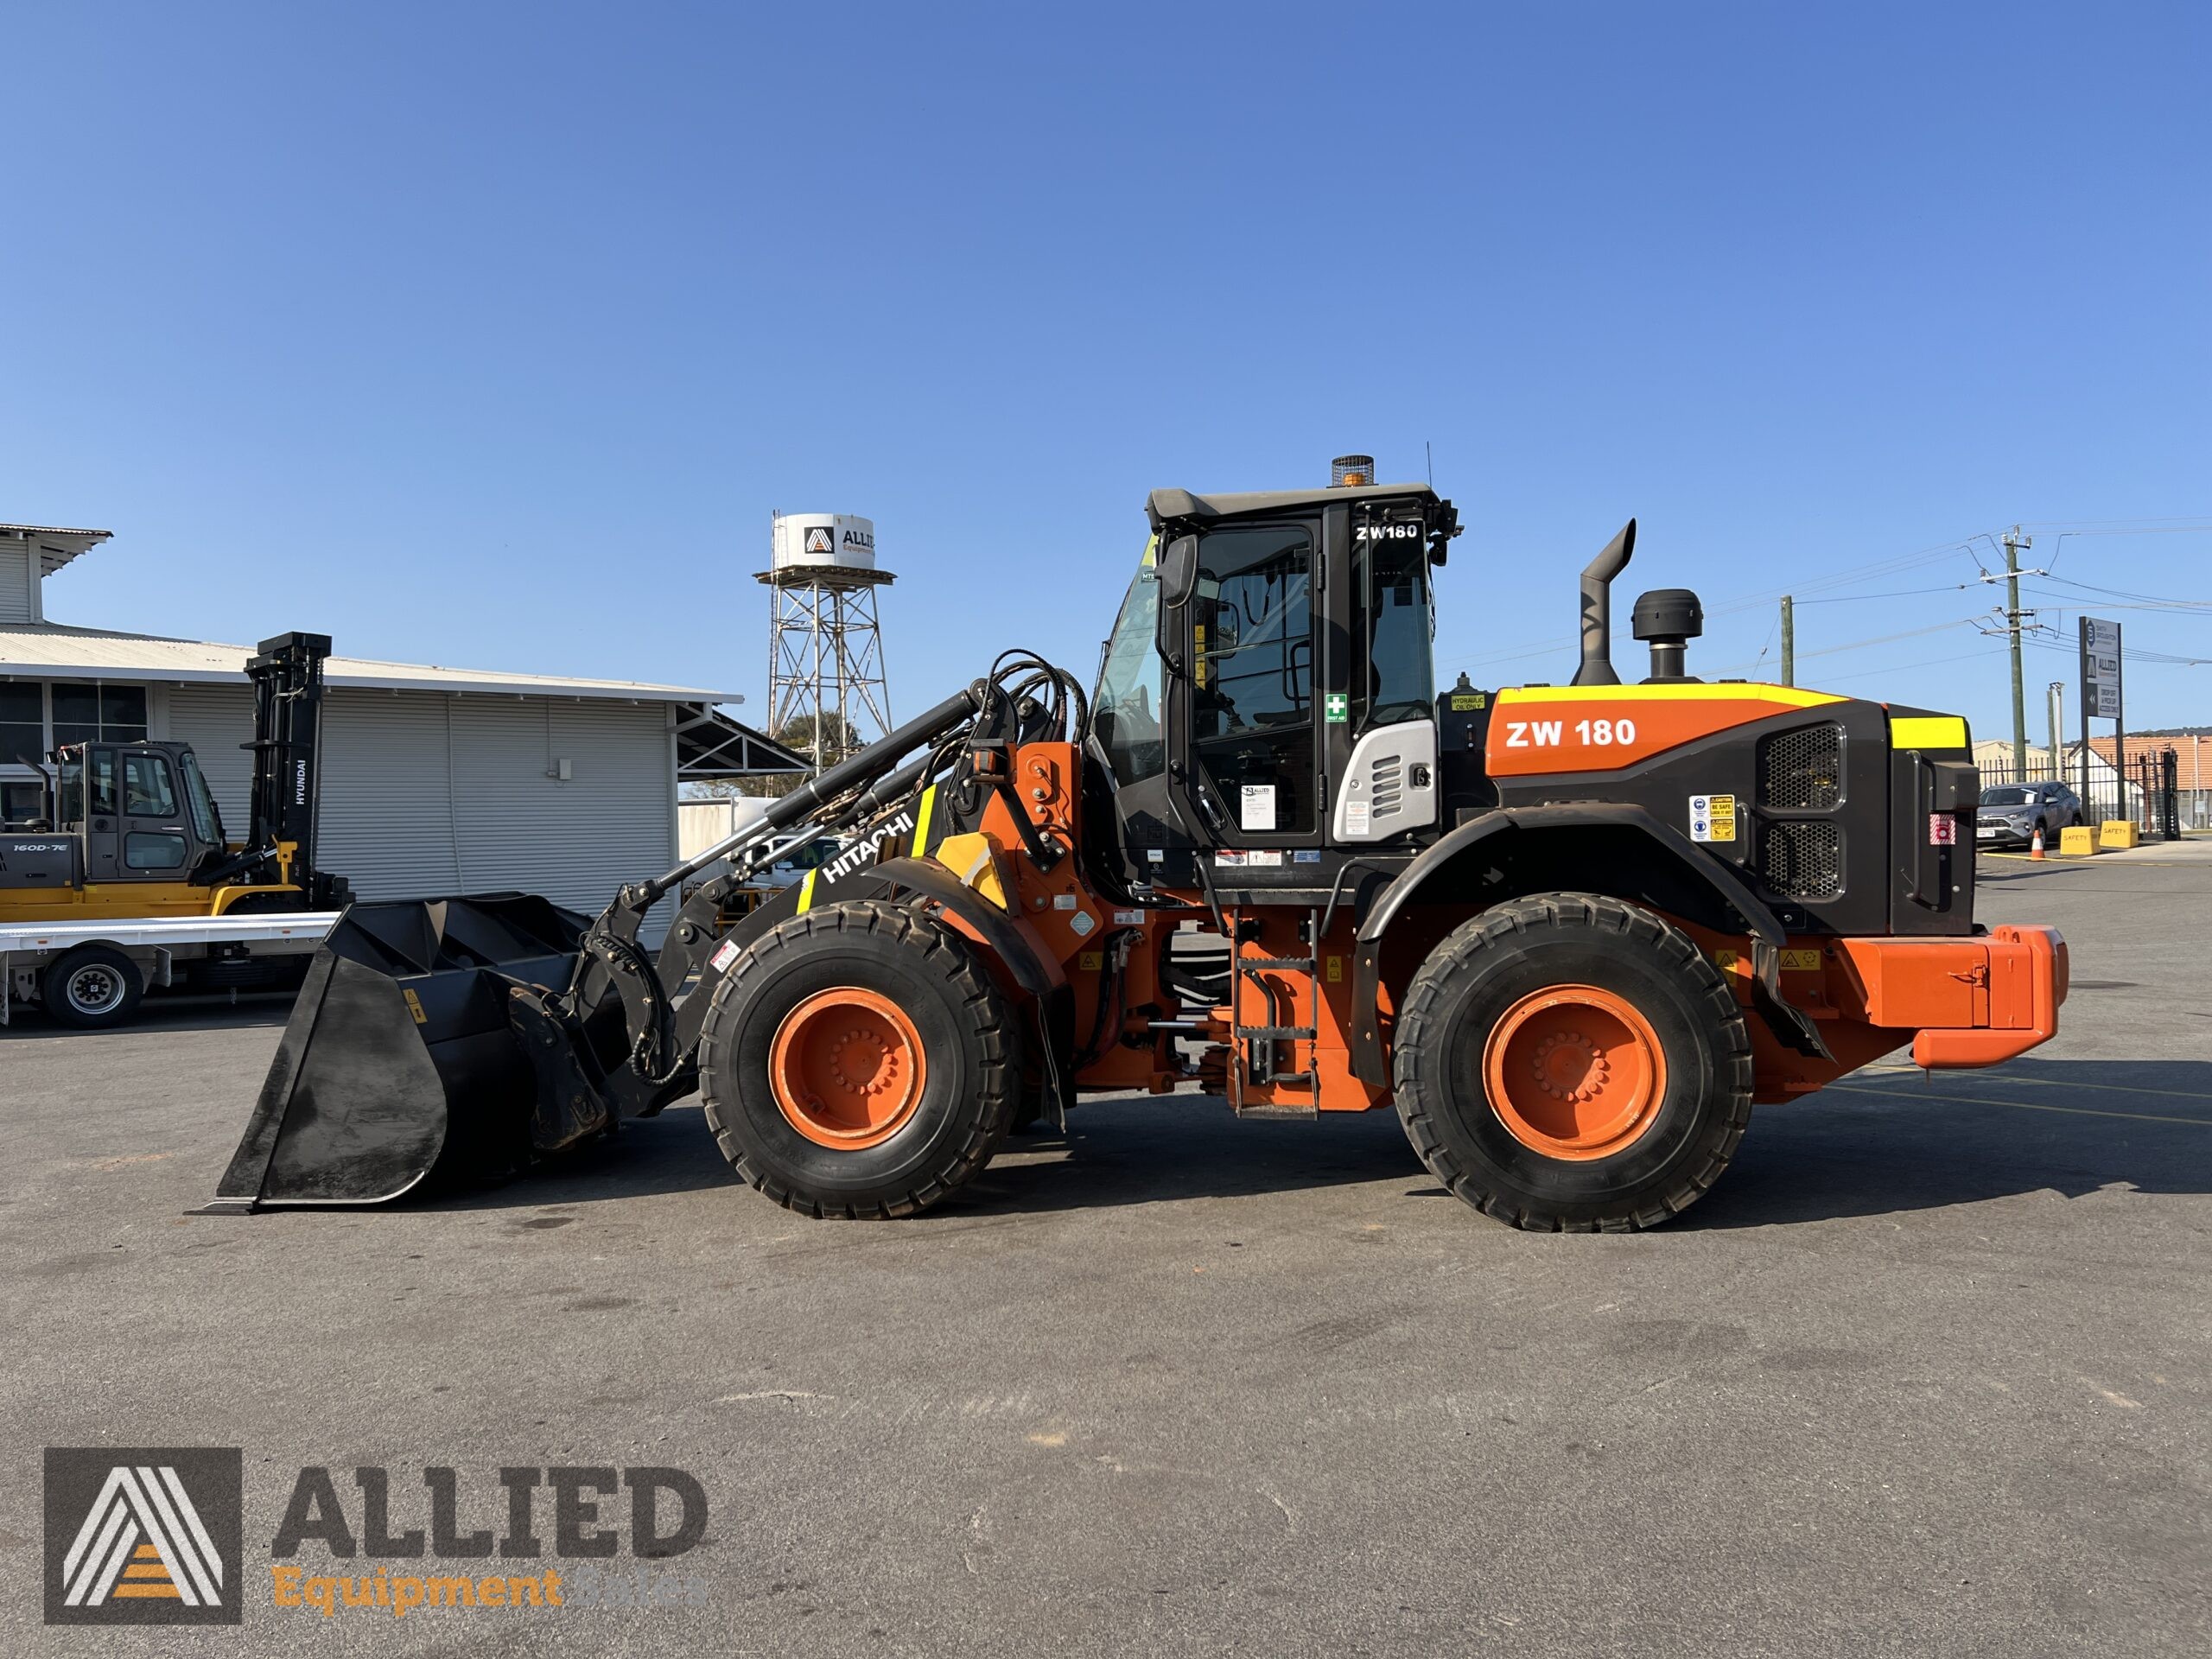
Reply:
x=1165 y=506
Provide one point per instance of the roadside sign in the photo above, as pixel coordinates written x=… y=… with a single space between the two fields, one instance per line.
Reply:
x=2100 y=668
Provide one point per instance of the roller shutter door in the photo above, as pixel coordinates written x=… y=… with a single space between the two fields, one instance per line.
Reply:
x=426 y=795
x=217 y=722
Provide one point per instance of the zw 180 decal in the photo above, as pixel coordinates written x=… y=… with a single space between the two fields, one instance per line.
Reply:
x=1387 y=533
x=1544 y=734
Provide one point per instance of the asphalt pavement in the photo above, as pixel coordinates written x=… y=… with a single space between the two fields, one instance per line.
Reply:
x=1926 y=1372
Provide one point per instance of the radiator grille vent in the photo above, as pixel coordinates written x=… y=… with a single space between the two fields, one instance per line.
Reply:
x=1803 y=769
x=1803 y=860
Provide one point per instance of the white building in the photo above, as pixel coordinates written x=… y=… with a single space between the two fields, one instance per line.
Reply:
x=436 y=781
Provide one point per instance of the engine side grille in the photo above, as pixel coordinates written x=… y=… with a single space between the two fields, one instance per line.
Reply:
x=1803 y=860
x=1803 y=769
x=1386 y=781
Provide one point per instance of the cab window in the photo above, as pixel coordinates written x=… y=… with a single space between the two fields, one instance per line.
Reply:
x=1252 y=695
x=145 y=849
x=100 y=764
x=1125 y=714
x=1391 y=679
x=148 y=789
x=206 y=819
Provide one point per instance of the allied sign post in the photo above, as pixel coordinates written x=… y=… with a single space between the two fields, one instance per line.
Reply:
x=2100 y=687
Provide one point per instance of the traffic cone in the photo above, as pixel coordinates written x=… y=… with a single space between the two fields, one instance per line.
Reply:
x=2035 y=847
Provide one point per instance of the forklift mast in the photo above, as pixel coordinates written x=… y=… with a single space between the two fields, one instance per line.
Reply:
x=287 y=676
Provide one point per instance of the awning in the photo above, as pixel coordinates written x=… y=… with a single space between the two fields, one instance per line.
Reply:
x=709 y=744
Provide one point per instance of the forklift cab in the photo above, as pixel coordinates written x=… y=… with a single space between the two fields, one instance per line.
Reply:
x=142 y=811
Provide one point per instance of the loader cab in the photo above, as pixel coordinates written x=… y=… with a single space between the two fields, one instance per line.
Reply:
x=142 y=811
x=1266 y=701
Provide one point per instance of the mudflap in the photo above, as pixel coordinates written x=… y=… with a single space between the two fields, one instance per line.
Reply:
x=406 y=1055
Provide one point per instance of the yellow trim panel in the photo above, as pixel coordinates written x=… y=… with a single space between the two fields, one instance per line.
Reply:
x=922 y=820
x=1750 y=691
x=1928 y=732
x=806 y=893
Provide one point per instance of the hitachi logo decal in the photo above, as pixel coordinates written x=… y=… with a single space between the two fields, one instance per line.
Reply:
x=862 y=853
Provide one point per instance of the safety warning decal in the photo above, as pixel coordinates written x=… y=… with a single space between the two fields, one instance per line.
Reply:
x=1253 y=858
x=725 y=954
x=1712 y=818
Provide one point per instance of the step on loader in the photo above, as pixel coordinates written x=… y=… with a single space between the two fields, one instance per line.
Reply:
x=1570 y=933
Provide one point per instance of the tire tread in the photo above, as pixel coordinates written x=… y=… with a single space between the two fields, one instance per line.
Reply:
x=1498 y=928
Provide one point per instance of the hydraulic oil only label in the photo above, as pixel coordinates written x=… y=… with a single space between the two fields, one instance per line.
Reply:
x=1712 y=818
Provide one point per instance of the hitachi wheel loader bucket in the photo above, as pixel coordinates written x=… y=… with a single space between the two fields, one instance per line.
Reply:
x=400 y=1057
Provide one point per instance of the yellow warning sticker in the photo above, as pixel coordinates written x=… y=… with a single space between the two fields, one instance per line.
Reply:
x=1091 y=962
x=1336 y=970
x=1800 y=962
x=1712 y=818
x=415 y=1006
x=1463 y=701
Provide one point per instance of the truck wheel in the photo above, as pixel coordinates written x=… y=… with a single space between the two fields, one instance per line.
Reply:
x=858 y=1061
x=1572 y=1063
x=92 y=987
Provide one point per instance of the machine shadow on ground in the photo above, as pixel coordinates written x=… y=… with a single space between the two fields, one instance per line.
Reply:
x=1881 y=1143
x=1878 y=1143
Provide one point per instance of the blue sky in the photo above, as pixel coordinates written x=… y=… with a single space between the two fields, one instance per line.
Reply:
x=491 y=335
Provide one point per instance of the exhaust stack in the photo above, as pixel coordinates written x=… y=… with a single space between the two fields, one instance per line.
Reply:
x=1597 y=667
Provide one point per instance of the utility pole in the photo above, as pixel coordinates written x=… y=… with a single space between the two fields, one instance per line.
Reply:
x=2013 y=543
x=1788 y=640
x=2057 y=725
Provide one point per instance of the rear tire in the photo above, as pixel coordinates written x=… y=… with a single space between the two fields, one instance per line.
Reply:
x=1572 y=1063
x=92 y=989
x=858 y=1061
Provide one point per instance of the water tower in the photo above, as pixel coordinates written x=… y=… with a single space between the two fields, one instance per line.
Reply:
x=825 y=646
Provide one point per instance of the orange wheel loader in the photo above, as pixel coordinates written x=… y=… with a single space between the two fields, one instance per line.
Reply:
x=1570 y=934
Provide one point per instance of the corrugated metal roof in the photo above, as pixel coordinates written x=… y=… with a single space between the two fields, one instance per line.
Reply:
x=51 y=651
x=56 y=529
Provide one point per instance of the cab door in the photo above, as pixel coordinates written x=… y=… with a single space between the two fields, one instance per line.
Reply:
x=151 y=841
x=1254 y=769
x=92 y=799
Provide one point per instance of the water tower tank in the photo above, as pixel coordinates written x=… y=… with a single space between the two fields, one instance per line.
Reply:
x=804 y=539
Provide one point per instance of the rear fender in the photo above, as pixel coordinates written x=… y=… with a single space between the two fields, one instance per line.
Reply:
x=1610 y=848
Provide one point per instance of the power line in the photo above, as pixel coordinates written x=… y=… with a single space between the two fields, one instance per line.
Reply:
x=2122 y=592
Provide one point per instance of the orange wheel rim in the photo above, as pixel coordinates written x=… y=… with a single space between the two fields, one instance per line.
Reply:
x=1575 y=1072
x=846 y=1068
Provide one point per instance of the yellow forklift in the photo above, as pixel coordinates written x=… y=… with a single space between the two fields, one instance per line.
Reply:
x=129 y=881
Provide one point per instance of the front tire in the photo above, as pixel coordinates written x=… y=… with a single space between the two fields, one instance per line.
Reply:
x=92 y=989
x=858 y=1061
x=1572 y=1063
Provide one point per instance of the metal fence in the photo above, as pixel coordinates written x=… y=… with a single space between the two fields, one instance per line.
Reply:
x=2153 y=801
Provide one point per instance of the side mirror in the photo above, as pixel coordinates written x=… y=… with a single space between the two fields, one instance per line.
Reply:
x=1178 y=575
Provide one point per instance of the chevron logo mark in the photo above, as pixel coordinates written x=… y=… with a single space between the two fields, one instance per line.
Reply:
x=155 y=1541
